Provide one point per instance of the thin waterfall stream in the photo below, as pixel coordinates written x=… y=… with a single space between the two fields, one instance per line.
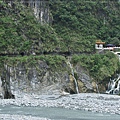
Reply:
x=112 y=89
x=72 y=72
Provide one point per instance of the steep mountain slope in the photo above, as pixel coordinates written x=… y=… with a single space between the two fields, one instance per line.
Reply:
x=81 y=22
x=21 y=32
x=75 y=28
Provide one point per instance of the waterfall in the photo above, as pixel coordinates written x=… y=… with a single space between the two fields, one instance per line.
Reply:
x=117 y=90
x=112 y=89
x=72 y=72
x=34 y=80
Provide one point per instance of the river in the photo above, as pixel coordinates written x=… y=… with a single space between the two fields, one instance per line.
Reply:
x=55 y=113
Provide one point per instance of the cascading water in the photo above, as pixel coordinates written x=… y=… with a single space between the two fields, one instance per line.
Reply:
x=72 y=72
x=117 y=90
x=34 y=80
x=112 y=89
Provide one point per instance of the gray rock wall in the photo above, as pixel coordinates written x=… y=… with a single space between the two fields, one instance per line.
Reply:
x=41 y=79
x=40 y=8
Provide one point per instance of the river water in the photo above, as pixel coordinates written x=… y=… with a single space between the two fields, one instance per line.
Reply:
x=54 y=113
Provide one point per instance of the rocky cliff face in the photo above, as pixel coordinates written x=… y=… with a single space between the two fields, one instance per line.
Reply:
x=40 y=8
x=41 y=79
x=37 y=78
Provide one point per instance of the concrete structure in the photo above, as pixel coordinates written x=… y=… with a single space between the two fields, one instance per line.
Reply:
x=99 y=45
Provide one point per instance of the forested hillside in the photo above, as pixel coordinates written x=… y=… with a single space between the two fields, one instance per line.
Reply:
x=81 y=22
x=75 y=26
x=21 y=32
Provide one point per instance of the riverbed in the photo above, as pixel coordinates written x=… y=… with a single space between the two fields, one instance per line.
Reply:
x=83 y=106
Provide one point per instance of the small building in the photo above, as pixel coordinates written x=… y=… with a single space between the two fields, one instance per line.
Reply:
x=110 y=45
x=99 y=45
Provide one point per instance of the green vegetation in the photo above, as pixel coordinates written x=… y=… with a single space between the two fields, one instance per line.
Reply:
x=100 y=66
x=75 y=28
x=55 y=62
x=77 y=24
x=21 y=32
x=81 y=22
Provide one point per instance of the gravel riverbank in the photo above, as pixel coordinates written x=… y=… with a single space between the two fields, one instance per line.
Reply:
x=101 y=103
